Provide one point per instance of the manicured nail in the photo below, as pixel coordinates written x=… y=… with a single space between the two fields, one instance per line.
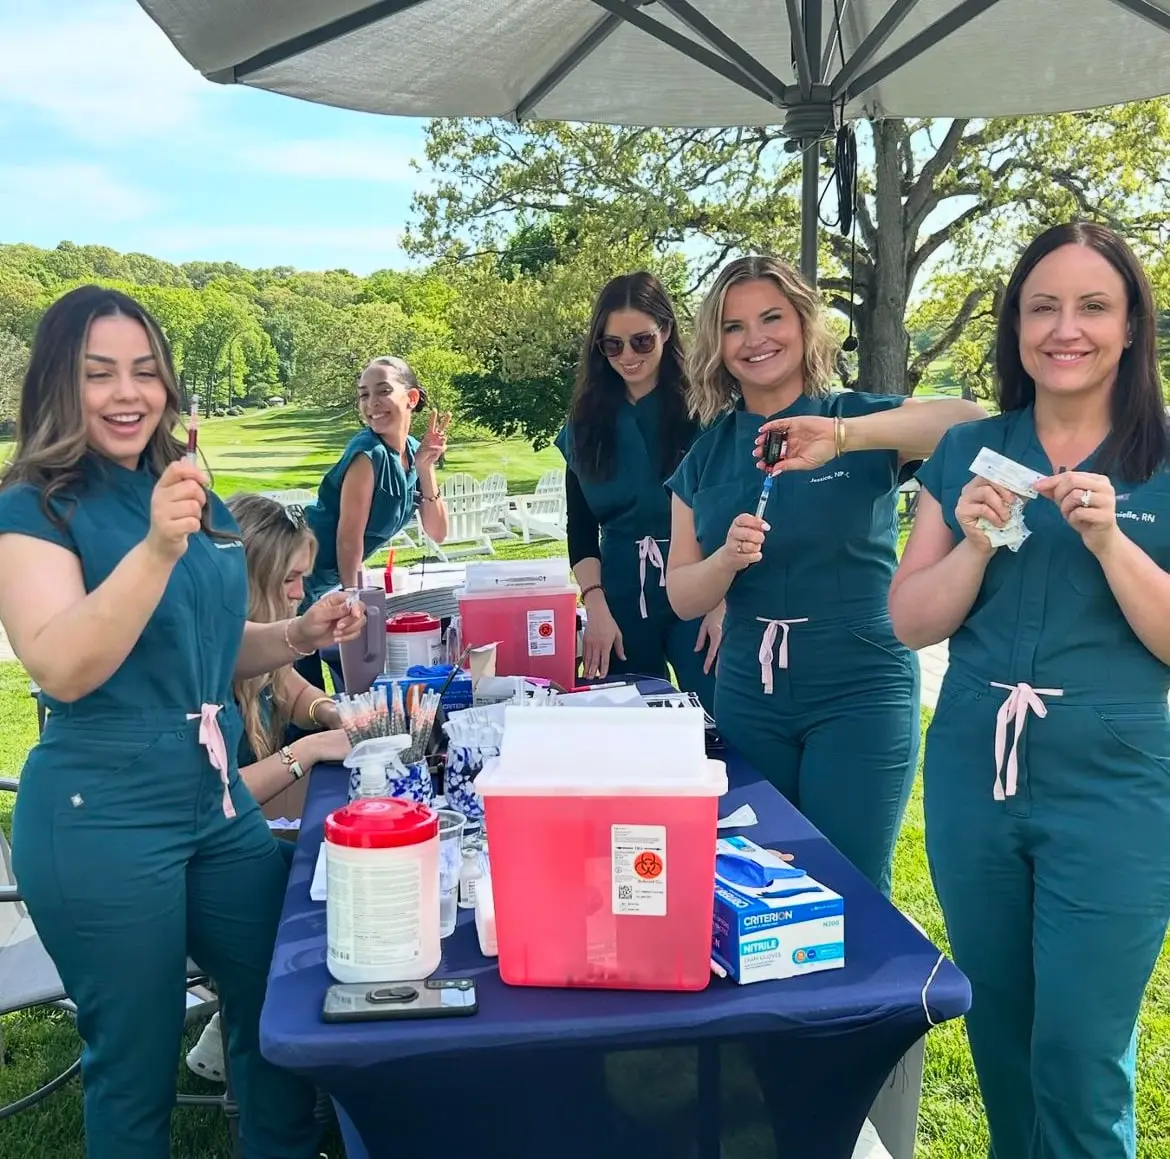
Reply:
x=767 y=527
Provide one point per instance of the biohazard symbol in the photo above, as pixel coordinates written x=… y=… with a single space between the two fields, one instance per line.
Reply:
x=648 y=865
x=545 y=630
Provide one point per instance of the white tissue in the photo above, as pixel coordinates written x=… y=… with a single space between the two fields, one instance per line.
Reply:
x=744 y=816
x=1013 y=533
x=317 y=888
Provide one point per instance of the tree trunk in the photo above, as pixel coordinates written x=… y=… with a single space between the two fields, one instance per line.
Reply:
x=884 y=343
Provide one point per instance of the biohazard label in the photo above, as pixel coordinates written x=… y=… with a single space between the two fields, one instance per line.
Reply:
x=542 y=640
x=639 y=870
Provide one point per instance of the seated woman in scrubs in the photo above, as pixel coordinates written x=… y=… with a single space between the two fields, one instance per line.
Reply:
x=383 y=477
x=124 y=593
x=814 y=690
x=1047 y=775
x=279 y=550
x=628 y=430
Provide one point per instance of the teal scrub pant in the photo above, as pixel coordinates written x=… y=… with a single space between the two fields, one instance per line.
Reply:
x=128 y=864
x=839 y=733
x=651 y=644
x=1056 y=903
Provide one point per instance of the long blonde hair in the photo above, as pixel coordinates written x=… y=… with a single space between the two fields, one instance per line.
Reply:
x=713 y=389
x=272 y=535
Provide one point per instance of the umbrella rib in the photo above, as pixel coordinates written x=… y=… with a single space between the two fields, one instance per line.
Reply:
x=717 y=64
x=576 y=55
x=800 y=50
x=871 y=45
x=925 y=40
x=721 y=42
x=1147 y=11
x=314 y=38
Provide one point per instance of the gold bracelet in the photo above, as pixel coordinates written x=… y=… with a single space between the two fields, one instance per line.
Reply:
x=839 y=435
x=288 y=642
x=313 y=709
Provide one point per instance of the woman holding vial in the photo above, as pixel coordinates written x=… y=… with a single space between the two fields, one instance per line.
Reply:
x=813 y=687
x=1047 y=774
x=628 y=430
x=124 y=594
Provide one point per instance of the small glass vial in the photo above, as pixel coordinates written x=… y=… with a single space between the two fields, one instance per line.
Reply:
x=469 y=874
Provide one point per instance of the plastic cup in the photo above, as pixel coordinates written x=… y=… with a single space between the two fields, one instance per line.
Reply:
x=451 y=825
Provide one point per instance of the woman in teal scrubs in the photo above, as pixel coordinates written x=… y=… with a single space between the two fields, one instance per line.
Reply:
x=1047 y=775
x=628 y=430
x=813 y=688
x=383 y=477
x=123 y=592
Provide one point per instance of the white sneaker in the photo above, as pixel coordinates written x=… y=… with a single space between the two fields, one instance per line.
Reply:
x=205 y=1058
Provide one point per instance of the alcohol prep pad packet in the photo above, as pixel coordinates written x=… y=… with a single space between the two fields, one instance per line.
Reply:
x=1018 y=479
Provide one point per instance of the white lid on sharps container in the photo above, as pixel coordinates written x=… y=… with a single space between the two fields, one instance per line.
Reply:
x=592 y=752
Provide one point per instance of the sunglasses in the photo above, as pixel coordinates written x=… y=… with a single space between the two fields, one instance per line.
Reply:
x=612 y=346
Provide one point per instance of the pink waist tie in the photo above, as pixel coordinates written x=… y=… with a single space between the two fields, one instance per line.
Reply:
x=1021 y=699
x=768 y=643
x=648 y=549
x=211 y=738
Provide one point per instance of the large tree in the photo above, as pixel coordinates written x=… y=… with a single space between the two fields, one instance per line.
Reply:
x=948 y=200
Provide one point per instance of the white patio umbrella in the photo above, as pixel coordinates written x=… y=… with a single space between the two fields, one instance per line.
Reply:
x=686 y=62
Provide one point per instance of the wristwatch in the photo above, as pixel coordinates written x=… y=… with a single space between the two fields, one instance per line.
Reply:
x=294 y=766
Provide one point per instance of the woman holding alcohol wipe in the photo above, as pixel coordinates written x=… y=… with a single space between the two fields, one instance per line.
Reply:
x=813 y=687
x=124 y=594
x=1047 y=773
x=628 y=430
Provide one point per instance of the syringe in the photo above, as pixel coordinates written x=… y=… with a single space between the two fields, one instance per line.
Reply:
x=775 y=447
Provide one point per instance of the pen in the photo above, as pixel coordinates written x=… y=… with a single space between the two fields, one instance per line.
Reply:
x=192 y=431
x=775 y=448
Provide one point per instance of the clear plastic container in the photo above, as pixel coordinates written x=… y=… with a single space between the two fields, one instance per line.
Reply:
x=536 y=630
x=603 y=868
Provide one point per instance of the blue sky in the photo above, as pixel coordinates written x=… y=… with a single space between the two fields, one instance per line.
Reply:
x=108 y=137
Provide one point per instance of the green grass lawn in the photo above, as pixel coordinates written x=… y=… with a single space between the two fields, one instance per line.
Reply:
x=279 y=449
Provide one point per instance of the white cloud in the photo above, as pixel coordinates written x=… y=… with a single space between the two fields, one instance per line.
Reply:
x=77 y=195
x=361 y=249
x=107 y=75
x=381 y=162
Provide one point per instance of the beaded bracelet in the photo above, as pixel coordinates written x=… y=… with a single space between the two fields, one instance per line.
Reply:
x=288 y=642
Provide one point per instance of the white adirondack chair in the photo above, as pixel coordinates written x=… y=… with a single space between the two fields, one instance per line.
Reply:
x=467 y=517
x=495 y=501
x=542 y=513
x=298 y=497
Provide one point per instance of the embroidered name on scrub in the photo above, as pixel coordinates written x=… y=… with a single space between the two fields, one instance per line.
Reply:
x=648 y=549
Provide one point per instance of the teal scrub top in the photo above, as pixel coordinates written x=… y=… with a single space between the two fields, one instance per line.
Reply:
x=395 y=500
x=186 y=655
x=633 y=502
x=1045 y=615
x=832 y=546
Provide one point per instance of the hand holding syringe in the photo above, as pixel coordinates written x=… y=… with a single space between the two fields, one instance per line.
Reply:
x=774 y=447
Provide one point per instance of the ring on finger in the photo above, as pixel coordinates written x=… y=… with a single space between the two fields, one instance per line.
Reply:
x=1086 y=498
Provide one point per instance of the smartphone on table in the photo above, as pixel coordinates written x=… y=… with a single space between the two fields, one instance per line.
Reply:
x=385 y=1001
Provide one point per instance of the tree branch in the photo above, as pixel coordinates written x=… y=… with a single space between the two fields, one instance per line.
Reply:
x=948 y=337
x=932 y=168
x=936 y=240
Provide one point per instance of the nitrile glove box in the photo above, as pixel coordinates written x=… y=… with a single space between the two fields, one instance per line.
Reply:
x=771 y=919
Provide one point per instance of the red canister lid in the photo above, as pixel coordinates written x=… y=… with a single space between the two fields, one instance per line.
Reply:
x=381 y=823
x=412 y=622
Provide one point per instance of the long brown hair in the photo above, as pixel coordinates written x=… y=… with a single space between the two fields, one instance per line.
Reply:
x=51 y=439
x=272 y=536
x=1137 y=443
x=599 y=390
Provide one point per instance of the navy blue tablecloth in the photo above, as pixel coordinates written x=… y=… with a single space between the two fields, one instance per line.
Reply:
x=839 y=1032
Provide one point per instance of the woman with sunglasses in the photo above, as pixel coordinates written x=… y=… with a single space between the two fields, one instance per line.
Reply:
x=123 y=591
x=628 y=430
x=383 y=477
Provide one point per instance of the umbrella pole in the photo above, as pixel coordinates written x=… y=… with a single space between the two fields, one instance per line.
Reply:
x=809 y=197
